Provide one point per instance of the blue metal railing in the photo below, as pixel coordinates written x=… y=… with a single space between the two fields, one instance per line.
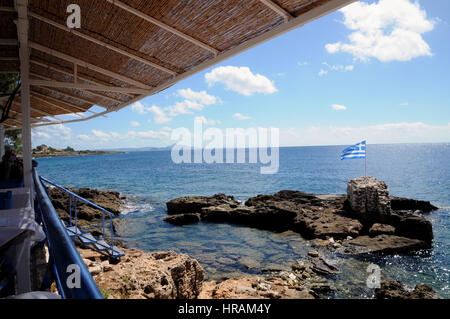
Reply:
x=74 y=196
x=63 y=252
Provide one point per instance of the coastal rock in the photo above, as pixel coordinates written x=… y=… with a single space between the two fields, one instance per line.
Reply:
x=388 y=244
x=363 y=215
x=379 y=229
x=368 y=197
x=295 y=197
x=139 y=275
x=109 y=200
x=276 y=216
x=194 y=204
x=397 y=290
x=415 y=227
x=326 y=223
x=182 y=219
x=252 y=287
x=323 y=267
x=401 y=203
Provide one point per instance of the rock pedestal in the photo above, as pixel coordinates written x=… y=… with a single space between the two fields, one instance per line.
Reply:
x=368 y=197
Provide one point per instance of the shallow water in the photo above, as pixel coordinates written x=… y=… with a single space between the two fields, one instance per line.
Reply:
x=150 y=179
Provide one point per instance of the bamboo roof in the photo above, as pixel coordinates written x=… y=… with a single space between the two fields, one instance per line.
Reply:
x=129 y=49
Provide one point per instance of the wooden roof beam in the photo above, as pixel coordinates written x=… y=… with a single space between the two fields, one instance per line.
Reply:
x=101 y=43
x=88 y=65
x=76 y=97
x=7 y=9
x=80 y=86
x=163 y=26
x=81 y=78
x=8 y=42
x=41 y=112
x=55 y=105
x=52 y=101
x=279 y=10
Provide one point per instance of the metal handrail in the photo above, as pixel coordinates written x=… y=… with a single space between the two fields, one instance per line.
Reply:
x=72 y=194
x=63 y=252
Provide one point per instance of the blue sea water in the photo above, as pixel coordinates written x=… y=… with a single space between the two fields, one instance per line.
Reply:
x=150 y=179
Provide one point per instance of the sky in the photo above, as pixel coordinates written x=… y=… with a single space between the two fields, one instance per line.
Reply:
x=375 y=70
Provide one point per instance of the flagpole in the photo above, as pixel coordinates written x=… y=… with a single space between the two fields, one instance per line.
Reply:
x=365 y=160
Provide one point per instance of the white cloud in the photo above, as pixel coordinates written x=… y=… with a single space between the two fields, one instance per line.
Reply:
x=138 y=107
x=48 y=132
x=240 y=80
x=404 y=104
x=194 y=101
x=160 y=116
x=184 y=107
x=338 y=107
x=241 y=117
x=201 y=97
x=204 y=120
x=336 y=68
x=403 y=132
x=303 y=63
x=100 y=134
x=148 y=134
x=134 y=123
x=83 y=137
x=389 y=30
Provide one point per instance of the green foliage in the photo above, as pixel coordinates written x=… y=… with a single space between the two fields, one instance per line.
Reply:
x=8 y=82
x=69 y=149
x=13 y=140
x=105 y=293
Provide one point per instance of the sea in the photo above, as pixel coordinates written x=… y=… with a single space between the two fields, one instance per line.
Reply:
x=150 y=179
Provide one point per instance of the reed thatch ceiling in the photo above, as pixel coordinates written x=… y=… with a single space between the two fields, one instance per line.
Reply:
x=128 y=49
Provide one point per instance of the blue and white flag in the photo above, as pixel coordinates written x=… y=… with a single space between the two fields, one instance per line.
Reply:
x=354 y=151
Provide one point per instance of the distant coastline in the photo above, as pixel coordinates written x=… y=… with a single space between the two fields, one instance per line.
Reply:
x=72 y=153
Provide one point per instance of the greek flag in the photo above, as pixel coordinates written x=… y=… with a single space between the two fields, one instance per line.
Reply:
x=354 y=151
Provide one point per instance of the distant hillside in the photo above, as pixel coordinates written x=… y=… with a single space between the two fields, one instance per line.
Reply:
x=138 y=149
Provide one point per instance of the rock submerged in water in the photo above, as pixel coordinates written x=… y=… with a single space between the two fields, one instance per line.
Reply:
x=387 y=244
x=367 y=217
x=183 y=219
x=397 y=290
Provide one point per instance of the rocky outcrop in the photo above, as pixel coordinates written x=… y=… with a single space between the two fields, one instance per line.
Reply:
x=325 y=224
x=415 y=227
x=397 y=290
x=380 y=229
x=387 y=244
x=141 y=275
x=401 y=203
x=304 y=281
x=194 y=204
x=110 y=200
x=368 y=197
x=363 y=218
